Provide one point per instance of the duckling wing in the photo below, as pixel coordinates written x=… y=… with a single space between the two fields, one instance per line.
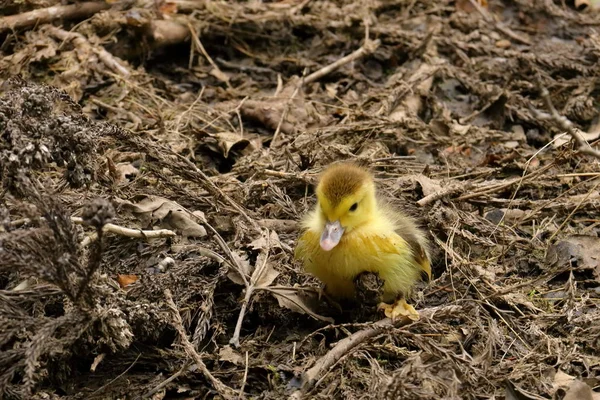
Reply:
x=406 y=228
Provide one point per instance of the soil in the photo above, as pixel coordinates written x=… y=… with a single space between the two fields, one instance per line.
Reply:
x=156 y=158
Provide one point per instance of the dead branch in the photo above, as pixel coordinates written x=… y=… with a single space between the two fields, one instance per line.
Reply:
x=224 y=390
x=368 y=48
x=562 y=122
x=81 y=41
x=50 y=14
x=344 y=346
x=286 y=109
x=112 y=228
x=448 y=191
x=500 y=26
x=250 y=288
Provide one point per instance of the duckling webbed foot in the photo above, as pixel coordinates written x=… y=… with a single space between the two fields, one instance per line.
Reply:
x=400 y=308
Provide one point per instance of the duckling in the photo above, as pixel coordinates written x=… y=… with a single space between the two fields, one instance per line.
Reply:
x=352 y=230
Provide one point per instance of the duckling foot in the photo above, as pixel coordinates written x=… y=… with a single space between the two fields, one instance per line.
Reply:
x=400 y=308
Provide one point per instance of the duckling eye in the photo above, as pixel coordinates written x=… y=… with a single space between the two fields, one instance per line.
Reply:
x=353 y=207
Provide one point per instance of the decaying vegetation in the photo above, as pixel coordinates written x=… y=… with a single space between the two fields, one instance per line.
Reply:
x=155 y=158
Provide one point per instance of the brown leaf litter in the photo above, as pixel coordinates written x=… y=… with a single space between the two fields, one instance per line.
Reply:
x=155 y=159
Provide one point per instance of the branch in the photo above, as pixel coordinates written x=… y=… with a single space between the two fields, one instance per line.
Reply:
x=82 y=42
x=369 y=47
x=223 y=390
x=344 y=346
x=562 y=122
x=50 y=14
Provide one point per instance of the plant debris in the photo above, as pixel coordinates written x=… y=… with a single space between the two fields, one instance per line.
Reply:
x=155 y=160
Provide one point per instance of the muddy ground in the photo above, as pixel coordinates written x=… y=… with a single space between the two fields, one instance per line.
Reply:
x=155 y=158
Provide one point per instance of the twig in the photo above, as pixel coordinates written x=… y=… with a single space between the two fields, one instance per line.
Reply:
x=241 y=396
x=448 y=191
x=215 y=190
x=488 y=189
x=346 y=345
x=250 y=288
x=220 y=75
x=500 y=26
x=82 y=42
x=101 y=388
x=50 y=14
x=563 y=122
x=166 y=381
x=369 y=47
x=120 y=230
x=112 y=228
x=286 y=108
x=224 y=390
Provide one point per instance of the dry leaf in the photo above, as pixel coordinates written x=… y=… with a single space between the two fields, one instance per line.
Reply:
x=124 y=172
x=261 y=242
x=299 y=301
x=268 y=276
x=220 y=75
x=229 y=140
x=166 y=214
x=242 y=261
x=428 y=185
x=126 y=280
x=228 y=354
x=562 y=379
x=561 y=139
x=181 y=220
x=581 y=250
x=168 y=8
x=579 y=391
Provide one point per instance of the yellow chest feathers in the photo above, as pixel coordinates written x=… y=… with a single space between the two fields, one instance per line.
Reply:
x=373 y=247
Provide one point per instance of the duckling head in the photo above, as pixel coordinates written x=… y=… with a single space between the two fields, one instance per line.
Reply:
x=346 y=200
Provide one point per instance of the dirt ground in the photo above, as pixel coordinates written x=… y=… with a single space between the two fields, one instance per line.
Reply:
x=156 y=157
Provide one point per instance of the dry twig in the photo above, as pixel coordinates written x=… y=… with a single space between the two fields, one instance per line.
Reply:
x=50 y=14
x=344 y=346
x=82 y=42
x=562 y=122
x=220 y=387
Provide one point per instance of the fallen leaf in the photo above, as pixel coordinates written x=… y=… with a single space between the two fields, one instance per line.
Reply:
x=561 y=139
x=228 y=354
x=220 y=75
x=125 y=171
x=181 y=220
x=299 y=301
x=578 y=250
x=168 y=8
x=428 y=185
x=562 y=379
x=261 y=242
x=126 y=280
x=230 y=140
x=156 y=210
x=242 y=262
x=579 y=391
x=268 y=276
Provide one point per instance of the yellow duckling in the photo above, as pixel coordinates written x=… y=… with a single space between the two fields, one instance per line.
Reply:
x=351 y=231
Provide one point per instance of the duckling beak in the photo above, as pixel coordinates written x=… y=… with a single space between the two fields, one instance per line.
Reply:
x=331 y=235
